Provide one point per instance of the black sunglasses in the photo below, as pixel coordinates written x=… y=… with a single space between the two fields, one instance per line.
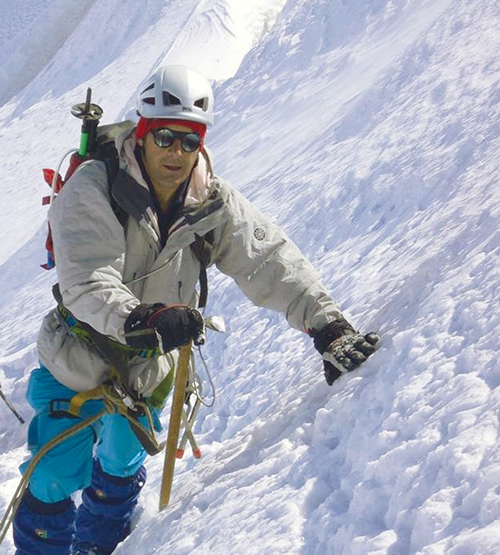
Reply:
x=165 y=138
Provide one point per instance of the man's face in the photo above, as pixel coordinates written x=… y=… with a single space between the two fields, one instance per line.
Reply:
x=167 y=167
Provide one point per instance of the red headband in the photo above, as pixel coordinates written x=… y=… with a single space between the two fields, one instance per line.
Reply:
x=146 y=125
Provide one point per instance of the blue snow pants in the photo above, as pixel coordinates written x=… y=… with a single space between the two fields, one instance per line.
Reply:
x=70 y=466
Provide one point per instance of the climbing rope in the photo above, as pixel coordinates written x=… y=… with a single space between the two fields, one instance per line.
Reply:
x=23 y=484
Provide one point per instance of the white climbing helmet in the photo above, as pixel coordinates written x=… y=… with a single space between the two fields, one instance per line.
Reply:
x=177 y=92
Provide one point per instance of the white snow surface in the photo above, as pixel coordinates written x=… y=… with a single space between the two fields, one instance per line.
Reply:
x=369 y=130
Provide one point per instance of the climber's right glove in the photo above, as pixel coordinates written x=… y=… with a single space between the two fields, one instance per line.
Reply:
x=169 y=327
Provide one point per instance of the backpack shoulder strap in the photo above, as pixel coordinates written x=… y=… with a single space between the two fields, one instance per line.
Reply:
x=112 y=168
x=202 y=248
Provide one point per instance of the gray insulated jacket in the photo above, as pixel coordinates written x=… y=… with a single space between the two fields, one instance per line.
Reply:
x=106 y=269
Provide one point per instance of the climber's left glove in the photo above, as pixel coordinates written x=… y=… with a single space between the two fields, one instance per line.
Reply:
x=343 y=348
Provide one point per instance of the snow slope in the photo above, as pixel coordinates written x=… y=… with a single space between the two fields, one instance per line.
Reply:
x=369 y=131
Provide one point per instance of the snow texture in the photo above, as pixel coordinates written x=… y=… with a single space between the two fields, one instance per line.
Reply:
x=369 y=130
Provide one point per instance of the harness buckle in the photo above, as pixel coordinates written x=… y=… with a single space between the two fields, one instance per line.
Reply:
x=124 y=396
x=59 y=408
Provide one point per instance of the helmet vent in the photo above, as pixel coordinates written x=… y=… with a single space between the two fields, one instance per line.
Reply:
x=149 y=99
x=152 y=86
x=170 y=99
x=202 y=103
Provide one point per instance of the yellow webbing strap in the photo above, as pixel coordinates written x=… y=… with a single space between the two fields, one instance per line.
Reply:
x=114 y=403
x=76 y=402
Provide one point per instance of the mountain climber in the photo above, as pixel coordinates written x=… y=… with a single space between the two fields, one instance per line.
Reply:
x=128 y=286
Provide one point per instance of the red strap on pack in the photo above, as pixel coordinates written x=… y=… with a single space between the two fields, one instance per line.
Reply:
x=49 y=178
x=74 y=162
x=48 y=175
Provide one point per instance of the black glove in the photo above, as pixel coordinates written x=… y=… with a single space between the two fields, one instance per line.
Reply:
x=175 y=326
x=343 y=348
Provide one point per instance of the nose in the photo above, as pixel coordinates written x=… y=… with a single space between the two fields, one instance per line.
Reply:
x=176 y=148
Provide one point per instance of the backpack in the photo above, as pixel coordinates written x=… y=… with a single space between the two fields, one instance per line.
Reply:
x=98 y=143
x=100 y=147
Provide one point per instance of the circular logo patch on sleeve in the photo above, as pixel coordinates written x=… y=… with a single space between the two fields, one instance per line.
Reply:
x=259 y=233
